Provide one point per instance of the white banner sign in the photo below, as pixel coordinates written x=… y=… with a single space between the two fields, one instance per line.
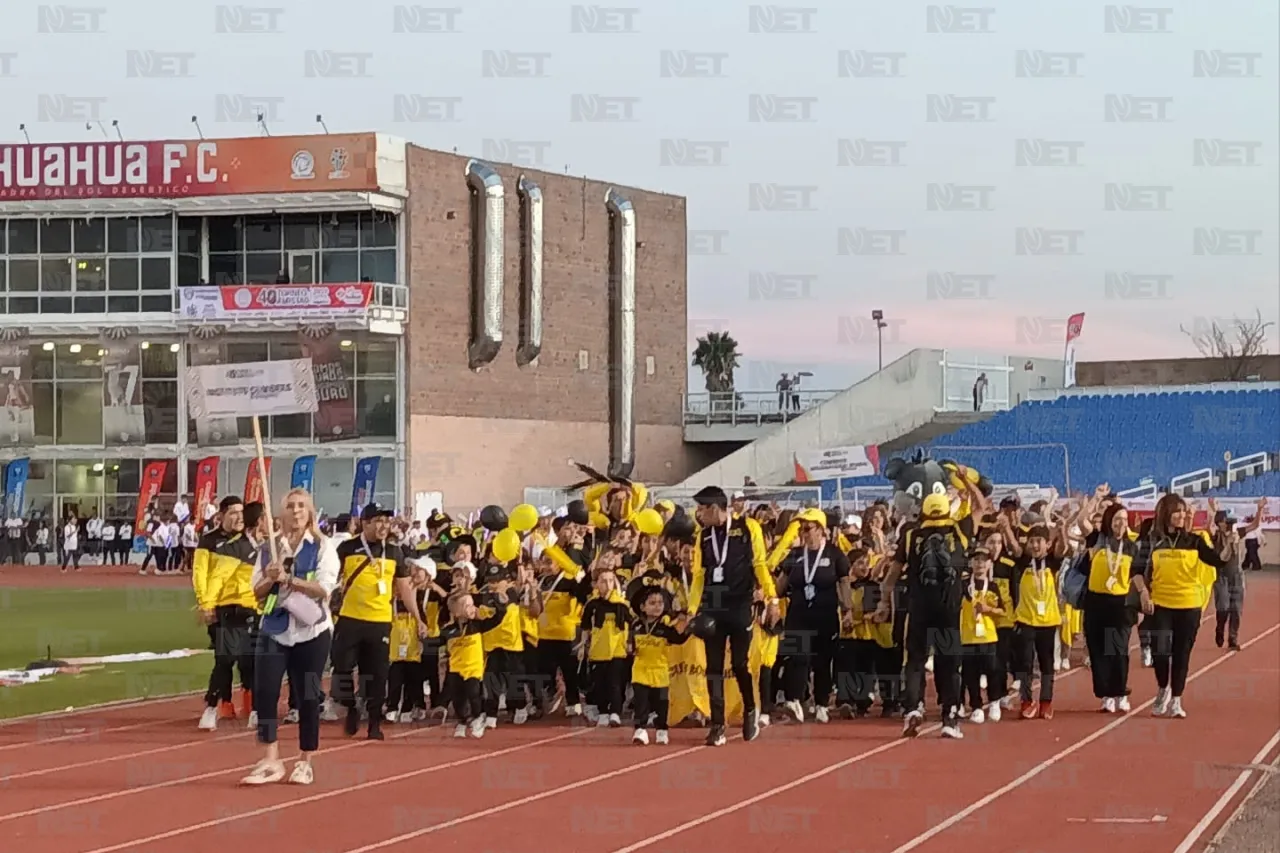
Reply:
x=857 y=460
x=257 y=388
x=1241 y=509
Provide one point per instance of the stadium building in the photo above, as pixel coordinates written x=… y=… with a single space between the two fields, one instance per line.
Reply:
x=472 y=326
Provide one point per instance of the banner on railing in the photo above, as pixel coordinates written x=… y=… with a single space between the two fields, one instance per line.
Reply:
x=1241 y=509
x=206 y=302
x=836 y=463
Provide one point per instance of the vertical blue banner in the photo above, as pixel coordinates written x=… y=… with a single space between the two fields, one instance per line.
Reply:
x=15 y=487
x=366 y=479
x=304 y=473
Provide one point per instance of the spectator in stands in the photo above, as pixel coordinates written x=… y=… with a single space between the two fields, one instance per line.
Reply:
x=783 y=387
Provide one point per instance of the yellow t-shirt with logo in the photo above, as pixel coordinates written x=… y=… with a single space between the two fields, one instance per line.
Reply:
x=1037 y=598
x=975 y=628
x=371 y=593
x=1109 y=571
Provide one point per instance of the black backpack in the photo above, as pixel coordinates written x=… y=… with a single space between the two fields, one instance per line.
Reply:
x=938 y=577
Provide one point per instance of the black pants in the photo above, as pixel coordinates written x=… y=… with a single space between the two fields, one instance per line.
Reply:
x=15 y=551
x=502 y=671
x=1035 y=645
x=558 y=656
x=998 y=681
x=608 y=681
x=889 y=676
x=937 y=628
x=1173 y=636
x=855 y=665
x=466 y=696
x=304 y=664
x=431 y=671
x=979 y=659
x=1252 y=560
x=651 y=700
x=404 y=686
x=733 y=627
x=70 y=558
x=811 y=645
x=232 y=633
x=160 y=555
x=1107 y=629
x=360 y=644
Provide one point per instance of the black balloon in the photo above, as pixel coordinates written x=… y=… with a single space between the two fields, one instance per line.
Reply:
x=576 y=512
x=703 y=626
x=493 y=518
x=680 y=528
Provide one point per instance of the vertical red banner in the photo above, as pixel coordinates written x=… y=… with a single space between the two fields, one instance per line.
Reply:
x=206 y=487
x=254 y=488
x=152 y=480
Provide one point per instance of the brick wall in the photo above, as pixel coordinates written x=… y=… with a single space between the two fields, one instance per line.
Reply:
x=1171 y=371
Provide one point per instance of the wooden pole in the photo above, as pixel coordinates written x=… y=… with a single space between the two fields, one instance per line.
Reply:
x=266 y=490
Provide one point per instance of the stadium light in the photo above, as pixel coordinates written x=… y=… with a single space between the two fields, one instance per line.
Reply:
x=878 y=316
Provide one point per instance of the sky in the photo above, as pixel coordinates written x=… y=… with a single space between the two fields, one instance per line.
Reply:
x=979 y=173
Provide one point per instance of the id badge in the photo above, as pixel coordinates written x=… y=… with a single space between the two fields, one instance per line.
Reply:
x=1041 y=608
x=404 y=650
x=382 y=587
x=1112 y=583
x=979 y=628
x=717 y=576
x=810 y=592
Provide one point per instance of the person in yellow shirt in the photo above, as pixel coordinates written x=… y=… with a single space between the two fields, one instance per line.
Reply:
x=1037 y=617
x=858 y=653
x=464 y=644
x=978 y=637
x=651 y=635
x=605 y=620
x=1108 y=617
x=222 y=575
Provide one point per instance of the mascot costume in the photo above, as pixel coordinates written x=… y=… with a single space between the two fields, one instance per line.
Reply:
x=915 y=480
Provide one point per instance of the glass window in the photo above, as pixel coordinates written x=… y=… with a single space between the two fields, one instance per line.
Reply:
x=160 y=410
x=122 y=274
x=24 y=275
x=42 y=403
x=225 y=234
x=78 y=476
x=347 y=355
x=122 y=235
x=291 y=426
x=90 y=304
x=123 y=476
x=161 y=303
x=25 y=305
x=377 y=230
x=241 y=352
x=55 y=275
x=339 y=267
x=79 y=411
x=226 y=268
x=4 y=275
x=262 y=267
x=302 y=231
x=155 y=274
x=159 y=361
x=341 y=231
x=122 y=303
x=189 y=270
x=189 y=235
x=157 y=234
x=377 y=358
x=23 y=237
x=55 y=236
x=91 y=275
x=79 y=361
x=376 y=407
x=4 y=234
x=42 y=363
x=91 y=236
x=283 y=350
x=378 y=265
x=55 y=305
x=263 y=233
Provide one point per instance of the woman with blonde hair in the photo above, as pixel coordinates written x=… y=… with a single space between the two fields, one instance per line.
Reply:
x=295 y=634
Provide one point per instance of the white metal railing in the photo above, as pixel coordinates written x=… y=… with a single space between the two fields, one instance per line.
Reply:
x=1192 y=482
x=960 y=370
x=549 y=496
x=753 y=408
x=1247 y=466
x=1126 y=390
x=1148 y=492
x=787 y=497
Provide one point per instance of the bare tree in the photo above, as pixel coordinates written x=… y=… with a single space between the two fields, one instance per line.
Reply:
x=1238 y=343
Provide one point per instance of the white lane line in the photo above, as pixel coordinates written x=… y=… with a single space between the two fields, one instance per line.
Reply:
x=1193 y=837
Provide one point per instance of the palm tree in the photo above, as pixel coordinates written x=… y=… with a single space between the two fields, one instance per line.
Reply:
x=717 y=356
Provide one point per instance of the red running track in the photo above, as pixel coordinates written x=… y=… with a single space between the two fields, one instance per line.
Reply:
x=140 y=778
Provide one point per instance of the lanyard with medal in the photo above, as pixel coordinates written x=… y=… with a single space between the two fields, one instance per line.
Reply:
x=810 y=589
x=717 y=574
x=1038 y=573
x=382 y=582
x=1113 y=566
x=979 y=620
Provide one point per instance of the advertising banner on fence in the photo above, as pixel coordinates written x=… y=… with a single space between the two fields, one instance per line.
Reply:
x=304 y=473
x=261 y=388
x=255 y=490
x=205 y=302
x=206 y=487
x=124 y=419
x=17 y=414
x=335 y=418
x=363 y=486
x=189 y=167
x=152 y=479
x=1241 y=509
x=836 y=463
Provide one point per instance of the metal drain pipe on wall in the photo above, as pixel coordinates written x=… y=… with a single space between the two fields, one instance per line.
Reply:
x=488 y=213
x=622 y=334
x=530 y=345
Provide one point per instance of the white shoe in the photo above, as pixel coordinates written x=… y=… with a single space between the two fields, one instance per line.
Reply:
x=982 y=682
x=1108 y=705
x=1146 y=658
x=329 y=712
x=574 y=710
x=1122 y=705
x=821 y=714
x=953 y=732
x=1007 y=702
x=615 y=720
x=520 y=717
x=765 y=721
x=793 y=708
x=591 y=712
x=1175 y=709
x=661 y=737
x=392 y=717
x=641 y=737
x=490 y=722
x=477 y=727
x=292 y=716
x=460 y=730
x=209 y=720
x=502 y=702
x=977 y=716
x=253 y=720
x=302 y=774
x=264 y=773
x=1161 y=706
x=911 y=723
x=602 y=721
x=993 y=712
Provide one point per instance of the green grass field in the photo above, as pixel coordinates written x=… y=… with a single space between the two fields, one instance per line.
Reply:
x=77 y=623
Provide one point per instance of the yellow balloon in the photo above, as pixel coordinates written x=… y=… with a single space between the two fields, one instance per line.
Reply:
x=506 y=546
x=649 y=522
x=523 y=518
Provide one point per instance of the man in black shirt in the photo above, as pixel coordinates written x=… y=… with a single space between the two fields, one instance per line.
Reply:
x=728 y=563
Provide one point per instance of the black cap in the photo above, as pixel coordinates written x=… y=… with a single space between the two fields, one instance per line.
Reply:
x=577 y=513
x=711 y=496
x=372 y=511
x=228 y=502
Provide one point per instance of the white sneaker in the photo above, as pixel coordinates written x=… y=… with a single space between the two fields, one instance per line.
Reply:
x=253 y=720
x=1175 y=709
x=1007 y=702
x=794 y=709
x=264 y=773
x=661 y=737
x=993 y=712
x=911 y=723
x=602 y=721
x=460 y=730
x=502 y=702
x=977 y=716
x=1122 y=705
x=209 y=720
x=1108 y=706
x=641 y=737
x=765 y=721
x=392 y=717
x=953 y=732
x=476 y=729
x=574 y=710
x=982 y=682
x=302 y=774
x=292 y=716
x=591 y=712
x=520 y=717
x=1161 y=706
x=1146 y=658
x=329 y=712
x=490 y=722
x=821 y=714
x=615 y=720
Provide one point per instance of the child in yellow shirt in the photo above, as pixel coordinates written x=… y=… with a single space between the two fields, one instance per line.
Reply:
x=651 y=635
